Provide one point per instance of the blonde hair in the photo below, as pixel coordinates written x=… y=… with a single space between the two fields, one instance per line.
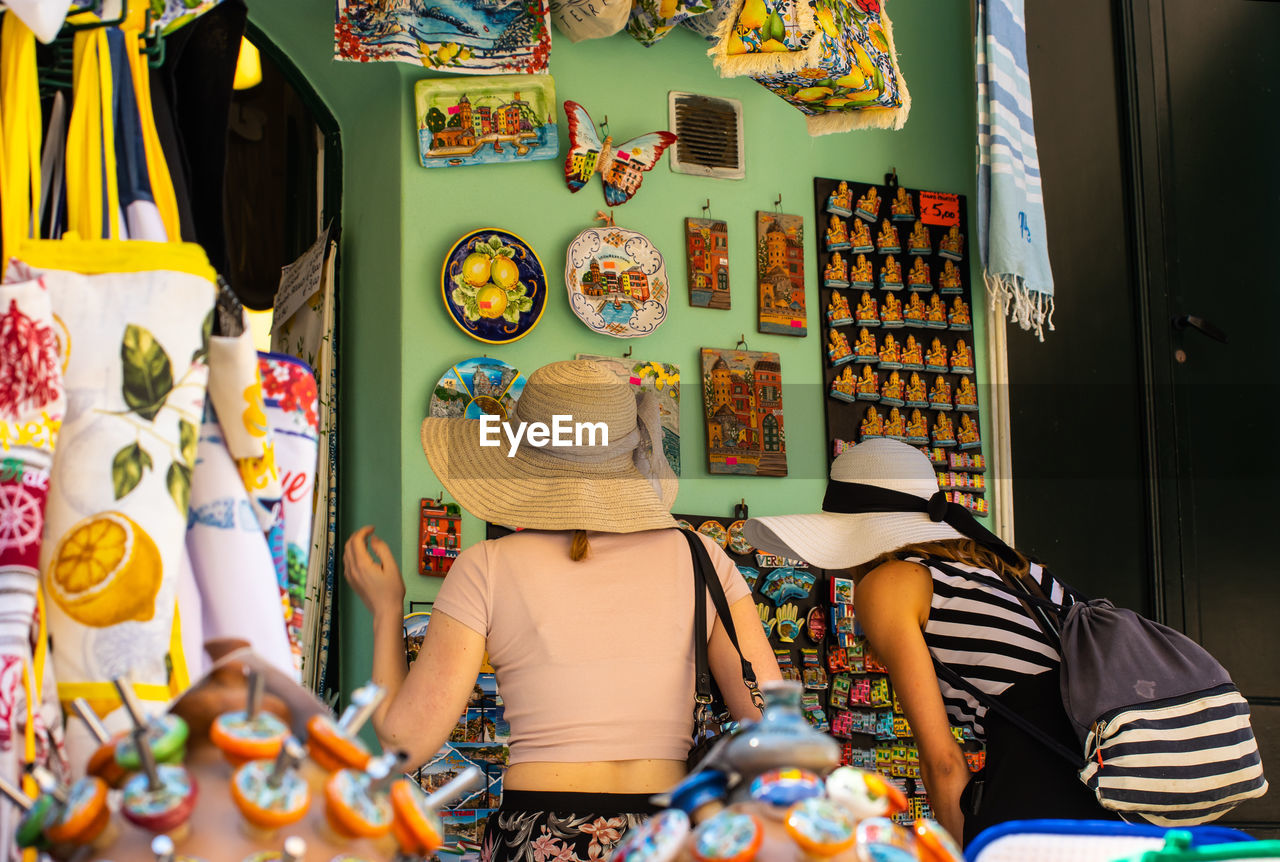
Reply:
x=965 y=551
x=580 y=547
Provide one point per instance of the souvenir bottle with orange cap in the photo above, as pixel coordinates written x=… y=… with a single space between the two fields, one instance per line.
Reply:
x=935 y=844
x=357 y=803
x=864 y=794
x=820 y=827
x=250 y=733
x=82 y=813
x=334 y=745
x=270 y=793
x=416 y=824
x=102 y=762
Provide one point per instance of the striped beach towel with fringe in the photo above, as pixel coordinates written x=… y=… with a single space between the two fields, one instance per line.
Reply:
x=1012 y=237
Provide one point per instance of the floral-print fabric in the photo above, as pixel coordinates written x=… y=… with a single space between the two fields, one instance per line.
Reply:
x=546 y=836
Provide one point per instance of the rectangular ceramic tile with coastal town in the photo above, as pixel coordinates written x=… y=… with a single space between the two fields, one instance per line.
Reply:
x=488 y=120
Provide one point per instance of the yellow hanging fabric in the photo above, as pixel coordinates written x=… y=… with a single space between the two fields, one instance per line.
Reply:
x=157 y=168
x=93 y=196
x=32 y=686
x=20 y=143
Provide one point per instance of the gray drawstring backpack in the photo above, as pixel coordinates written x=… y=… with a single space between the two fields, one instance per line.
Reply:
x=1165 y=733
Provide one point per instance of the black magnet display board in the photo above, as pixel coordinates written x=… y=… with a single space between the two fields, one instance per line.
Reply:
x=902 y=272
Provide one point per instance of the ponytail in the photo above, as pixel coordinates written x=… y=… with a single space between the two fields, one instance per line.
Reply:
x=580 y=548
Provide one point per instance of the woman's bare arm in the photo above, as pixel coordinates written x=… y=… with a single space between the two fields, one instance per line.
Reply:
x=892 y=604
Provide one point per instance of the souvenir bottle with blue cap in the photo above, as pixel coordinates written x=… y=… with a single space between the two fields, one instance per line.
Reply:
x=779 y=789
x=701 y=795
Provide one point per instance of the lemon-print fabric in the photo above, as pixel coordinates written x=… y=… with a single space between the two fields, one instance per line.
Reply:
x=834 y=60
x=137 y=317
x=651 y=20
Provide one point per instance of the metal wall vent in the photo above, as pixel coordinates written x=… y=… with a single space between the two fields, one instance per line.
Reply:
x=709 y=134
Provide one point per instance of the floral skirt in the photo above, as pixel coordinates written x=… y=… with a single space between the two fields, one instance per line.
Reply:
x=533 y=826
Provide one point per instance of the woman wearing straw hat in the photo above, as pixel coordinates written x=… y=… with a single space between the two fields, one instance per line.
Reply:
x=586 y=615
x=933 y=584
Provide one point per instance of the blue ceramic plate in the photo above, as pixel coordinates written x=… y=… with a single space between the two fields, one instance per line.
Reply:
x=493 y=285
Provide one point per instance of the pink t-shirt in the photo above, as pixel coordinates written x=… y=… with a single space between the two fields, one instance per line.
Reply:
x=595 y=658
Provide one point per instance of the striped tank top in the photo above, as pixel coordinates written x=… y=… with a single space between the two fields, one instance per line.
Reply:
x=985 y=635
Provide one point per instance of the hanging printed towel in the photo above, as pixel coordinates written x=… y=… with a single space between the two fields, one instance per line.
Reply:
x=137 y=318
x=833 y=60
x=1011 y=226
x=235 y=392
x=232 y=563
x=293 y=415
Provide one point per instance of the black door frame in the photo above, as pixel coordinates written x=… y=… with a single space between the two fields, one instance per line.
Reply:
x=1146 y=98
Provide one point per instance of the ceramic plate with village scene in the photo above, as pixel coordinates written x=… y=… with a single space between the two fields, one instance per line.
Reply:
x=476 y=387
x=480 y=121
x=617 y=282
x=494 y=286
x=469 y=37
x=742 y=398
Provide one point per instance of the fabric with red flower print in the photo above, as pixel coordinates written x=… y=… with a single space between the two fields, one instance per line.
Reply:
x=545 y=836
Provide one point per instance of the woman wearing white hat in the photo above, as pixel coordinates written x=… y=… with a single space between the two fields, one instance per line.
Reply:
x=586 y=615
x=934 y=585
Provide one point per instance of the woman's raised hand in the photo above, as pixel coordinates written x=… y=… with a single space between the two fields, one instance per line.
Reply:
x=376 y=581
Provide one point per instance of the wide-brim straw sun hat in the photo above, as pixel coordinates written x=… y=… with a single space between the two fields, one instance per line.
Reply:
x=623 y=487
x=845 y=533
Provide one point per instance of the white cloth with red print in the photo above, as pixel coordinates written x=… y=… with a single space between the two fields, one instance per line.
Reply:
x=32 y=403
x=293 y=405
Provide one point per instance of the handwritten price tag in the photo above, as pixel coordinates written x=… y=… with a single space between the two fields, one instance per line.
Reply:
x=939 y=208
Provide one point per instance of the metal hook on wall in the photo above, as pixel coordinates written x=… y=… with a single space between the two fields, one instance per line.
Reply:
x=742 y=342
x=891 y=178
x=607 y=218
x=706 y=208
x=627 y=355
x=777 y=205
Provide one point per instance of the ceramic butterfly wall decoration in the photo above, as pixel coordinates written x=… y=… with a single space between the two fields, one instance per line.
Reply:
x=621 y=168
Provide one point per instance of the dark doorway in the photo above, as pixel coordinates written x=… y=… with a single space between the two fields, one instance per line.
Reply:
x=1139 y=439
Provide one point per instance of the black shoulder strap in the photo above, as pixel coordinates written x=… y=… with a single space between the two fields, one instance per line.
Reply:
x=706 y=581
x=956 y=680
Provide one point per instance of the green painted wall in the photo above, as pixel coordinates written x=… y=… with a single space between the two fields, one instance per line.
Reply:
x=400 y=220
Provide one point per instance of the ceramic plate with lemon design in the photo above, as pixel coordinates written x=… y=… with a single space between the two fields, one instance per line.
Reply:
x=494 y=286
